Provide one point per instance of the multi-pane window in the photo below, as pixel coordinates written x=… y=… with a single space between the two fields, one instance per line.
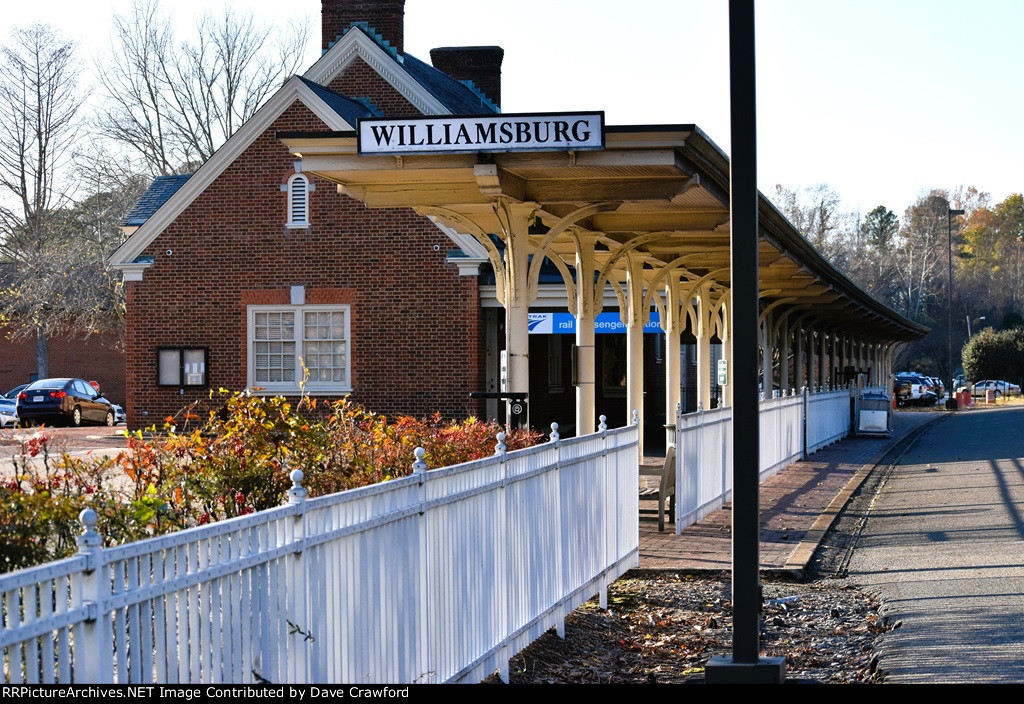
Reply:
x=299 y=345
x=274 y=347
x=324 y=345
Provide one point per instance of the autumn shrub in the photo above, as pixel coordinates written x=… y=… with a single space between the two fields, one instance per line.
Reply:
x=40 y=503
x=207 y=466
x=37 y=513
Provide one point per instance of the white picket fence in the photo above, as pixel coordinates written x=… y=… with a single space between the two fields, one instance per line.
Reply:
x=440 y=576
x=828 y=418
x=791 y=427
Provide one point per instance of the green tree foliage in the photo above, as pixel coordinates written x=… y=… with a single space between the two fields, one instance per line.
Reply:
x=878 y=265
x=993 y=354
x=1012 y=319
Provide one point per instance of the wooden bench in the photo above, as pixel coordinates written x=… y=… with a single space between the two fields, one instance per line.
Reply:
x=666 y=487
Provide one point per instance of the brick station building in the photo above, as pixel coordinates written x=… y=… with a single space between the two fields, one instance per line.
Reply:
x=289 y=255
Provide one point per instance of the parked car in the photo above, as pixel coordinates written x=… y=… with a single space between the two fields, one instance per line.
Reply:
x=119 y=415
x=1002 y=388
x=13 y=393
x=8 y=413
x=71 y=401
x=912 y=389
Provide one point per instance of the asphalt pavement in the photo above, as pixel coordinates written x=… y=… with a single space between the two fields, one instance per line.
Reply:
x=944 y=549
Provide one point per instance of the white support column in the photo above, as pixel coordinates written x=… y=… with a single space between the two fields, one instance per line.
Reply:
x=823 y=361
x=725 y=326
x=831 y=371
x=673 y=325
x=784 y=333
x=843 y=356
x=635 y=319
x=812 y=378
x=517 y=217
x=799 y=364
x=767 y=355
x=704 y=329
x=587 y=302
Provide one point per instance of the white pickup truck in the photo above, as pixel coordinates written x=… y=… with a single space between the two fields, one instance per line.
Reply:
x=913 y=389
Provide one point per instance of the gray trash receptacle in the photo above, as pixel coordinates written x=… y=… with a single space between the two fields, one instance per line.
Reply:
x=874 y=416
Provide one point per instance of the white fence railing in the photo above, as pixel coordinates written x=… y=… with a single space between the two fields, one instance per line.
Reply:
x=435 y=577
x=703 y=464
x=828 y=418
x=791 y=427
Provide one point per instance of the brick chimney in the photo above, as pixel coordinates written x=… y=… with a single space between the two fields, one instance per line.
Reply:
x=386 y=17
x=480 y=64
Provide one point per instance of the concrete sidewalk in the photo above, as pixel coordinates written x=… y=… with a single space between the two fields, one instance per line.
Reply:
x=798 y=504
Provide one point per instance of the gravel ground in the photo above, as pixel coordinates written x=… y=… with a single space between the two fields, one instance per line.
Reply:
x=662 y=629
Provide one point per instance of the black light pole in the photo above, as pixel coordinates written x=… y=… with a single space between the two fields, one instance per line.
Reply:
x=745 y=665
x=949 y=303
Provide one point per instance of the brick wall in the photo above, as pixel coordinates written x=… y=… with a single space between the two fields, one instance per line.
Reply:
x=386 y=17
x=480 y=64
x=415 y=327
x=96 y=357
x=361 y=81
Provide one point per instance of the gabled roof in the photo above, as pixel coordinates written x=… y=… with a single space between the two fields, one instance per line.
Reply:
x=429 y=90
x=459 y=97
x=162 y=188
x=348 y=109
x=127 y=256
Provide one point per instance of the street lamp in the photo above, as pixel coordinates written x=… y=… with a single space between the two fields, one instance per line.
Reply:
x=969 y=325
x=949 y=310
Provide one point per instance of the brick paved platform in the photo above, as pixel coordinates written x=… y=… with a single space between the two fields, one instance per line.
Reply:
x=797 y=506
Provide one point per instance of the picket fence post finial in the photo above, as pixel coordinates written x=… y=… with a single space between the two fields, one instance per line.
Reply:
x=603 y=426
x=500 y=448
x=419 y=465
x=297 y=494
x=555 y=437
x=89 y=540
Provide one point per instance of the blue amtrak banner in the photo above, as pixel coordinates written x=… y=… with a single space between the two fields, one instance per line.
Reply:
x=606 y=323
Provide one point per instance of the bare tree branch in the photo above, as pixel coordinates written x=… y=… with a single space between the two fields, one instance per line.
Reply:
x=175 y=103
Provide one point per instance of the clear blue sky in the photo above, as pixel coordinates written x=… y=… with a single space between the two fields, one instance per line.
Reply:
x=880 y=99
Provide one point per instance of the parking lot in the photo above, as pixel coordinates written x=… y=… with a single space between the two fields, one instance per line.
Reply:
x=76 y=441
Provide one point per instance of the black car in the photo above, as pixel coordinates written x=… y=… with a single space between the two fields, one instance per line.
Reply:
x=72 y=401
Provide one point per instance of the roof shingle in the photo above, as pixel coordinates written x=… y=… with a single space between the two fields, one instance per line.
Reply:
x=162 y=188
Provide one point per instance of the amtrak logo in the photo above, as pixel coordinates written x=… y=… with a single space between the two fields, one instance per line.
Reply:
x=540 y=323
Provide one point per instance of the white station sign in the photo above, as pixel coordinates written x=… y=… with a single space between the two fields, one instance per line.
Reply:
x=490 y=133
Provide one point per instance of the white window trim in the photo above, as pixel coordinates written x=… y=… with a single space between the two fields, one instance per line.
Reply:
x=292 y=388
x=289 y=190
